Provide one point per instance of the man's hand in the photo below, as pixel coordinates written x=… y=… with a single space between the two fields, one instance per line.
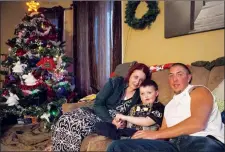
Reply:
x=118 y=123
x=145 y=134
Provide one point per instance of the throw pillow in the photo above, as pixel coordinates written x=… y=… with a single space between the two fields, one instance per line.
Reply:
x=218 y=92
x=155 y=68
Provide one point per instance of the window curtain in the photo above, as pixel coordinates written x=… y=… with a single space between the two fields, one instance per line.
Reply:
x=97 y=43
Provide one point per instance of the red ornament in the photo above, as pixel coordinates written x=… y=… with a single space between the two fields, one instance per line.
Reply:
x=20 y=52
x=47 y=63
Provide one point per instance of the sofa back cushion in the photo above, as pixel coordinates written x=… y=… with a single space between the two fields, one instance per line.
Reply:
x=200 y=75
x=215 y=77
x=165 y=92
x=122 y=69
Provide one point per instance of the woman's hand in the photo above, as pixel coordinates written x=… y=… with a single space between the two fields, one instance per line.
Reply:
x=145 y=134
x=118 y=123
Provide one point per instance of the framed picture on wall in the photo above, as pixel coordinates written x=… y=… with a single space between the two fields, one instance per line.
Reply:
x=188 y=17
x=55 y=15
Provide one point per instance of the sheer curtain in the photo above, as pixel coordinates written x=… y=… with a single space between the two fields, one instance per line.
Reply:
x=97 y=43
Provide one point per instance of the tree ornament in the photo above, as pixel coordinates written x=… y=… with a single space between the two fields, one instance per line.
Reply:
x=54 y=111
x=19 y=68
x=61 y=92
x=30 y=79
x=12 y=78
x=47 y=63
x=146 y=19
x=46 y=116
x=20 y=52
x=12 y=99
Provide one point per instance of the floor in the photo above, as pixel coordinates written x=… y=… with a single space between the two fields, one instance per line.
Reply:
x=32 y=137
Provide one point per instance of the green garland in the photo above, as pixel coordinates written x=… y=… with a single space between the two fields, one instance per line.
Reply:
x=146 y=19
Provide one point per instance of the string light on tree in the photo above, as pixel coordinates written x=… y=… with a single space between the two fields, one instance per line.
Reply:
x=32 y=5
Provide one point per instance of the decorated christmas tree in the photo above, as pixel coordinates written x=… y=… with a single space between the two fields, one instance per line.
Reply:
x=36 y=80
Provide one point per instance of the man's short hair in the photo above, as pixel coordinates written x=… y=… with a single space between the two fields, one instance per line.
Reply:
x=182 y=65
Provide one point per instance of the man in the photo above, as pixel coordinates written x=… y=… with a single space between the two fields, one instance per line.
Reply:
x=192 y=121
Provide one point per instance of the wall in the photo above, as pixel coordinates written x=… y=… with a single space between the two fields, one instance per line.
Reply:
x=149 y=45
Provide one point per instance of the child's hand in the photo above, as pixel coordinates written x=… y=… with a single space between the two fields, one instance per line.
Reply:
x=118 y=123
x=120 y=117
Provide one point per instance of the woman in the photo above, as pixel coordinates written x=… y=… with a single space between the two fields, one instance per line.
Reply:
x=117 y=96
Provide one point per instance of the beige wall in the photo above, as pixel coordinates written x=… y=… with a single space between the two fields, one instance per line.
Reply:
x=149 y=45
x=13 y=11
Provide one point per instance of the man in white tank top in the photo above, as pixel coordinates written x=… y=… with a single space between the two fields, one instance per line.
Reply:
x=192 y=121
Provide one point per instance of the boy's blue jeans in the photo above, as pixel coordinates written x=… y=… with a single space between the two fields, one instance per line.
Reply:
x=179 y=144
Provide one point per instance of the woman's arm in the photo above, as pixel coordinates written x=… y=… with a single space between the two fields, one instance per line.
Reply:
x=100 y=102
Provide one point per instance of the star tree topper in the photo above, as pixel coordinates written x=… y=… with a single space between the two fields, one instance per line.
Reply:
x=32 y=5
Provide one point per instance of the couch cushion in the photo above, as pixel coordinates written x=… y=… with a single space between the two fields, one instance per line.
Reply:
x=165 y=93
x=122 y=69
x=200 y=75
x=95 y=142
x=68 y=107
x=215 y=77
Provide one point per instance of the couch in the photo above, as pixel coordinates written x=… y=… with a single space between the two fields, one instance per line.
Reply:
x=201 y=75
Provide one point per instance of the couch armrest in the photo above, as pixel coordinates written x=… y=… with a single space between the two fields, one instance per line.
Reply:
x=67 y=107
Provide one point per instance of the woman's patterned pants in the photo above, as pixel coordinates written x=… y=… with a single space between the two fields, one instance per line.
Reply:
x=71 y=129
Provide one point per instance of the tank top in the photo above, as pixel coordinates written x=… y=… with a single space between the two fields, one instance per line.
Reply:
x=178 y=109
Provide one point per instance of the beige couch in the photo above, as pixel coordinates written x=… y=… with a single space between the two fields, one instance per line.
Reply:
x=202 y=76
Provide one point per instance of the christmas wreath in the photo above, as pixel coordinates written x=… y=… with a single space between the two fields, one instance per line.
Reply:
x=146 y=19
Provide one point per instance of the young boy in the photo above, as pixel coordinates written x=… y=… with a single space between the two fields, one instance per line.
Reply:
x=145 y=116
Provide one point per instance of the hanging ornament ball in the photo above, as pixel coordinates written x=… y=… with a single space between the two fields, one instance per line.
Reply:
x=55 y=59
x=54 y=111
x=61 y=91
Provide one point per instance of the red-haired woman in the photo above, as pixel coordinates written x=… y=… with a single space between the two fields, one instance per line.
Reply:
x=117 y=96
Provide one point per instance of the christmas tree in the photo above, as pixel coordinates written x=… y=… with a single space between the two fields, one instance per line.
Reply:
x=36 y=80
